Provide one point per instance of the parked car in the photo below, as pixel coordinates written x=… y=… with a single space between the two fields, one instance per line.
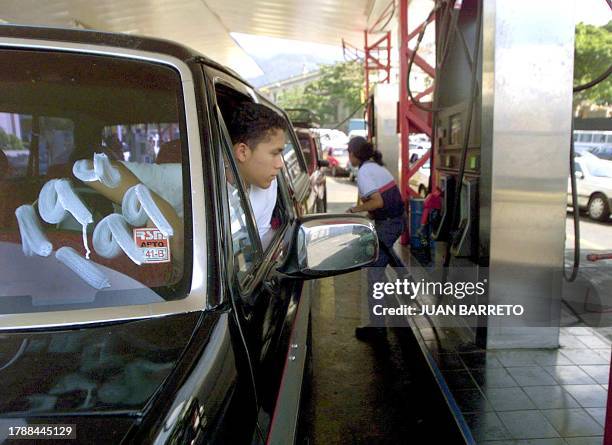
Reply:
x=419 y=182
x=357 y=124
x=197 y=333
x=594 y=186
x=416 y=151
x=352 y=169
x=420 y=139
x=580 y=149
x=313 y=154
x=335 y=149
x=338 y=160
x=355 y=133
x=604 y=153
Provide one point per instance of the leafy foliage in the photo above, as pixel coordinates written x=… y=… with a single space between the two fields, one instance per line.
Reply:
x=592 y=57
x=10 y=141
x=333 y=96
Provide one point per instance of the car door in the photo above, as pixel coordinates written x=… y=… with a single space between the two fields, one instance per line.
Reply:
x=264 y=305
x=582 y=186
x=297 y=174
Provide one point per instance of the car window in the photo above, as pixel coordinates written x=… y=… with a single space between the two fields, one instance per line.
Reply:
x=577 y=167
x=244 y=244
x=269 y=213
x=85 y=201
x=53 y=137
x=319 y=148
x=599 y=138
x=585 y=137
x=306 y=149
x=294 y=167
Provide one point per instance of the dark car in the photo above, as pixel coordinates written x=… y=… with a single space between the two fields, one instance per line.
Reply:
x=304 y=123
x=118 y=330
x=311 y=149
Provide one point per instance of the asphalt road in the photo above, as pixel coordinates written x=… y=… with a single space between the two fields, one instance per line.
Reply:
x=341 y=194
x=593 y=235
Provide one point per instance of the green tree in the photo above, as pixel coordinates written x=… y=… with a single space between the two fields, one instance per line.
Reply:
x=593 y=55
x=333 y=96
x=4 y=140
x=10 y=141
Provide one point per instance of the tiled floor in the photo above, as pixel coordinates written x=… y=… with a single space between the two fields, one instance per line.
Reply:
x=530 y=397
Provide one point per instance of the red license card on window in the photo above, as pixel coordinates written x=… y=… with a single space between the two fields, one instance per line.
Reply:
x=155 y=245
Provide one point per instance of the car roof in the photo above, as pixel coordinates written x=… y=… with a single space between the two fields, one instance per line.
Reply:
x=116 y=40
x=305 y=132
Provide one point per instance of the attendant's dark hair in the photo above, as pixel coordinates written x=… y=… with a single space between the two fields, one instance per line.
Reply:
x=364 y=150
x=252 y=123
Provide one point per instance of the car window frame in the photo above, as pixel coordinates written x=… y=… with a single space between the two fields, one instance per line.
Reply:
x=578 y=167
x=256 y=273
x=226 y=153
x=197 y=295
x=312 y=165
x=300 y=185
x=299 y=188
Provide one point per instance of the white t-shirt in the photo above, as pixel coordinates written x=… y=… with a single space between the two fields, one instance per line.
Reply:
x=371 y=178
x=263 y=202
x=164 y=179
x=167 y=181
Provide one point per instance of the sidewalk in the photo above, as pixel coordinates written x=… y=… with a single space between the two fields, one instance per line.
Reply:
x=532 y=396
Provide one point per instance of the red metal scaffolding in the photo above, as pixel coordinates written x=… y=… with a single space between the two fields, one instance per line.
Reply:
x=376 y=56
x=411 y=118
x=377 y=60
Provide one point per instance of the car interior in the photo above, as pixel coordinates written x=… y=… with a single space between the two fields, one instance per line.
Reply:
x=66 y=109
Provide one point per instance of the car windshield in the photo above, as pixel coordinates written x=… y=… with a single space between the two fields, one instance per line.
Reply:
x=92 y=163
x=306 y=148
x=335 y=138
x=604 y=153
x=601 y=171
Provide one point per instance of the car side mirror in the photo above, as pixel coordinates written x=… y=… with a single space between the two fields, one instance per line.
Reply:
x=327 y=245
x=579 y=175
x=323 y=163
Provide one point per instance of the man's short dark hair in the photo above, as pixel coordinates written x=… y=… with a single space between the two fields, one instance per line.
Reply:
x=252 y=123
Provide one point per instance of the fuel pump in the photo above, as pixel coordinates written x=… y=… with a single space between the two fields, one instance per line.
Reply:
x=456 y=141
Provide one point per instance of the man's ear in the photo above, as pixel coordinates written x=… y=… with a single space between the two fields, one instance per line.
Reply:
x=241 y=151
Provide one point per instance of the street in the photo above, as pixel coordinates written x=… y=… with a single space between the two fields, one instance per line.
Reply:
x=594 y=235
x=341 y=194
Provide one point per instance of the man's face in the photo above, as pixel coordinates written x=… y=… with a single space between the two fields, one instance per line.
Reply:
x=259 y=165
